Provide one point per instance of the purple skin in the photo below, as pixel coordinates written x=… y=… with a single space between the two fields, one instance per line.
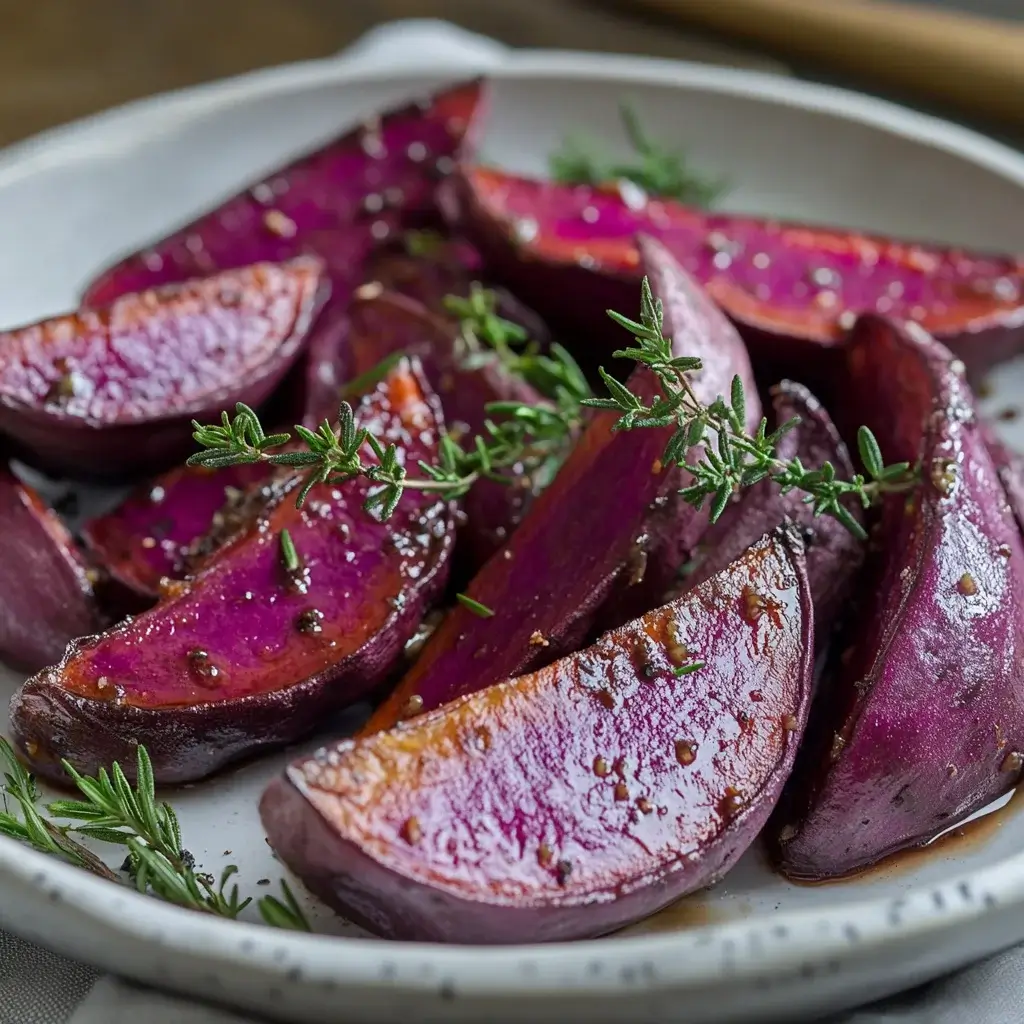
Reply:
x=576 y=800
x=924 y=718
x=103 y=394
x=698 y=328
x=789 y=288
x=211 y=674
x=580 y=544
x=384 y=323
x=46 y=595
x=336 y=203
x=833 y=555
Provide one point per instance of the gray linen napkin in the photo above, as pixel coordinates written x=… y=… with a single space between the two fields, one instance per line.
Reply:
x=39 y=987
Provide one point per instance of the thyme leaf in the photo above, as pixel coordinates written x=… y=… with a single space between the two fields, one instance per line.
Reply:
x=110 y=810
x=476 y=607
x=685 y=670
x=289 y=556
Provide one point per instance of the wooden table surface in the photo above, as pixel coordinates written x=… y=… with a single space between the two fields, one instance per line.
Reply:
x=61 y=59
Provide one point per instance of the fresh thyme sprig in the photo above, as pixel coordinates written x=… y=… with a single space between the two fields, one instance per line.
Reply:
x=522 y=438
x=111 y=810
x=529 y=438
x=658 y=172
x=732 y=457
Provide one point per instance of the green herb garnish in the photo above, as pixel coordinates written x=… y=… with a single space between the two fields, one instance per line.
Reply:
x=111 y=810
x=736 y=459
x=529 y=438
x=357 y=385
x=522 y=438
x=685 y=670
x=289 y=556
x=474 y=606
x=659 y=172
x=423 y=242
x=488 y=338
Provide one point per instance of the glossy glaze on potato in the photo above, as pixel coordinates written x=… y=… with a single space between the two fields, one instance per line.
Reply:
x=921 y=721
x=250 y=654
x=105 y=392
x=338 y=203
x=576 y=800
x=585 y=540
x=791 y=289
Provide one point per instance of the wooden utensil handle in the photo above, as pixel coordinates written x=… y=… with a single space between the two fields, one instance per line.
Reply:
x=973 y=63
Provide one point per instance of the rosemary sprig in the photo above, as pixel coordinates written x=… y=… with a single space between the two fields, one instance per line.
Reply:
x=659 y=172
x=111 y=810
x=732 y=457
x=522 y=438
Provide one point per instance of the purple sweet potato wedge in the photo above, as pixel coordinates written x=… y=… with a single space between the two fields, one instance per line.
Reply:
x=335 y=203
x=250 y=654
x=582 y=542
x=107 y=392
x=578 y=799
x=383 y=323
x=924 y=718
x=152 y=535
x=791 y=289
x=833 y=554
x=46 y=594
x=698 y=328
x=149 y=536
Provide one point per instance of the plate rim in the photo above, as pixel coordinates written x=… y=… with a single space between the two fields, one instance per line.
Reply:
x=880 y=923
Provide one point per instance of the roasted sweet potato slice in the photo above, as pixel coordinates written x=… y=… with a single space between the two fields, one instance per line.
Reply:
x=252 y=652
x=923 y=721
x=337 y=203
x=383 y=323
x=791 y=289
x=833 y=554
x=573 y=801
x=584 y=540
x=104 y=393
x=46 y=594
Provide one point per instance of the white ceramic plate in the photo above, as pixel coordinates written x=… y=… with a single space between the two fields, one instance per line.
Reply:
x=755 y=947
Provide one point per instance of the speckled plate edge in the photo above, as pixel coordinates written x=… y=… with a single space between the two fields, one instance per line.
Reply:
x=771 y=967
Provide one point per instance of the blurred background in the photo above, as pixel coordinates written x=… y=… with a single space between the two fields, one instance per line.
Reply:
x=61 y=59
